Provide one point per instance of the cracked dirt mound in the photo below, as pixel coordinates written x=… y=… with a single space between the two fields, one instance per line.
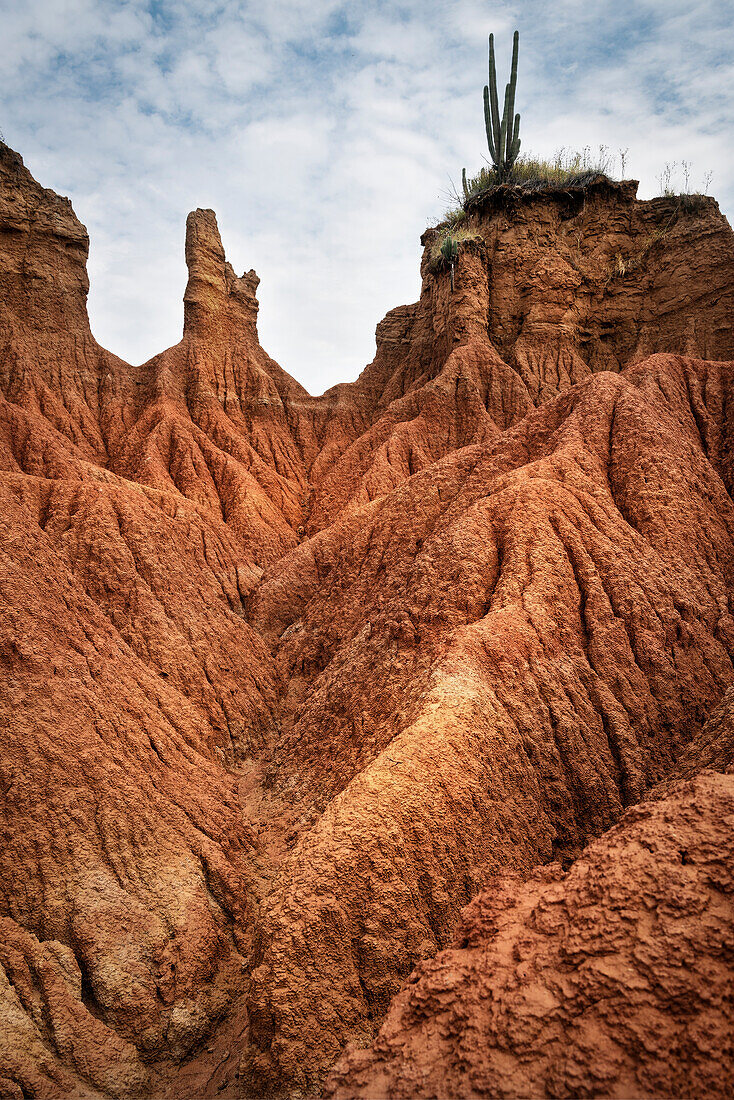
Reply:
x=288 y=680
x=612 y=980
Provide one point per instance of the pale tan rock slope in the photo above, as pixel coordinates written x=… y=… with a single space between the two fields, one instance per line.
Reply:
x=287 y=681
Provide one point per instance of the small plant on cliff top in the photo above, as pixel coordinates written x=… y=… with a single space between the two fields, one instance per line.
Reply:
x=445 y=249
x=689 y=202
x=449 y=249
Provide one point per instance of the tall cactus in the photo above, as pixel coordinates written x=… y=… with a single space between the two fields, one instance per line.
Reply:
x=503 y=137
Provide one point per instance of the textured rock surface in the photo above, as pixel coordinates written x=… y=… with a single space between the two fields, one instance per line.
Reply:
x=510 y=649
x=615 y=979
x=592 y=280
x=286 y=681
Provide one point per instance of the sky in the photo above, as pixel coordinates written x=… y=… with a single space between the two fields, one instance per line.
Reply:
x=328 y=135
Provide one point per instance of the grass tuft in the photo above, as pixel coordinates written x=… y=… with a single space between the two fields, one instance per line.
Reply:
x=529 y=174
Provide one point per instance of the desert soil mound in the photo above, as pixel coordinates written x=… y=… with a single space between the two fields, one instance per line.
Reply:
x=614 y=979
x=287 y=681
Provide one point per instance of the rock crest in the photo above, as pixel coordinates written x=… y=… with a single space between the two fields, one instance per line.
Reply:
x=215 y=298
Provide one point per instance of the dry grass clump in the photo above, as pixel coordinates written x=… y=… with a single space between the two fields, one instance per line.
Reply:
x=568 y=168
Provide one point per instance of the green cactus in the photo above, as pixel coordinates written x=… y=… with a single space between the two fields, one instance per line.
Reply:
x=449 y=254
x=449 y=248
x=503 y=136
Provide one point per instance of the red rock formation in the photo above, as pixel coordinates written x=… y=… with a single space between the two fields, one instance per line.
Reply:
x=591 y=279
x=614 y=979
x=130 y=675
x=485 y=667
x=288 y=680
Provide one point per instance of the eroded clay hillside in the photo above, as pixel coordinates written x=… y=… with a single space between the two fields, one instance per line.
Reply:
x=288 y=681
x=613 y=979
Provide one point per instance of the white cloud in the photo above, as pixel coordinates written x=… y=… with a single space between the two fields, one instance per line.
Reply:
x=325 y=135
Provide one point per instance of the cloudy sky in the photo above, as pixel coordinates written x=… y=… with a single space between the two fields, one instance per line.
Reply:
x=326 y=135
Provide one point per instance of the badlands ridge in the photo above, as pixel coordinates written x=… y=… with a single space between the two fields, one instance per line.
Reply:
x=403 y=707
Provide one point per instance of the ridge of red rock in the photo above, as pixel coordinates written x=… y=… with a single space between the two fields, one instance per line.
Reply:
x=287 y=681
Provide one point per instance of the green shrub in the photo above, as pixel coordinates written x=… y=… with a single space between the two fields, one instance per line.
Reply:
x=693 y=202
x=445 y=249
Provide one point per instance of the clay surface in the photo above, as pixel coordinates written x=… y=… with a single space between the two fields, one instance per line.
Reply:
x=286 y=681
x=614 y=979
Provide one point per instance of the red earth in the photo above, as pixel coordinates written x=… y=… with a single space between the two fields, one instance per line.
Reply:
x=290 y=682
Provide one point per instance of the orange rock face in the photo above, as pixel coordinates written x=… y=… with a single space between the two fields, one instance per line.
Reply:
x=287 y=681
x=614 y=979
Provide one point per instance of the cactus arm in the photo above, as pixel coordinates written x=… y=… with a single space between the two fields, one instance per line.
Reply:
x=502 y=166
x=510 y=98
x=494 y=105
x=464 y=184
x=515 y=147
x=488 y=126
